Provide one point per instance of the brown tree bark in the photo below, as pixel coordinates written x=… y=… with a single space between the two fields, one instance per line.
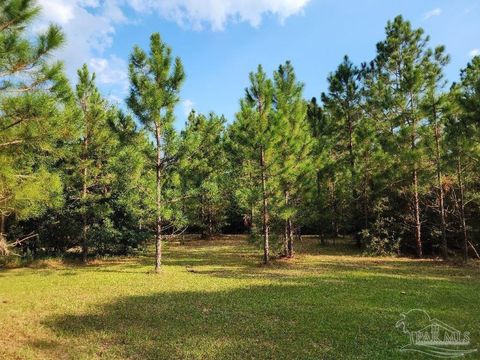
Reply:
x=416 y=199
x=416 y=211
x=356 y=209
x=266 y=248
x=441 y=194
x=290 y=238
x=84 y=197
x=2 y=225
x=158 y=233
x=335 y=227
x=462 y=209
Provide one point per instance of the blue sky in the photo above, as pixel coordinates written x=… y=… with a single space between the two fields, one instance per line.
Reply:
x=221 y=41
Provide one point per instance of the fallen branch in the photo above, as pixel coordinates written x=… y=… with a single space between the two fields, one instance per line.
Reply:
x=475 y=250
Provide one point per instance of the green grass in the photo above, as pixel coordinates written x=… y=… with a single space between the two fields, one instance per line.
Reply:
x=327 y=303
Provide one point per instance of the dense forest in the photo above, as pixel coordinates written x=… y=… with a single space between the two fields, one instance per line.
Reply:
x=389 y=155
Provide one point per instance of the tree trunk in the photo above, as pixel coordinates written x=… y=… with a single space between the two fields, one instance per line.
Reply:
x=356 y=204
x=252 y=219
x=266 y=249
x=285 y=238
x=365 y=201
x=462 y=210
x=84 y=197
x=320 y=230
x=416 y=200
x=290 y=237
x=416 y=210
x=335 y=229
x=2 y=225
x=440 y=188
x=210 y=222
x=158 y=234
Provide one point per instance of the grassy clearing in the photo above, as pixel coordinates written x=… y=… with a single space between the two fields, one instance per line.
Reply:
x=327 y=303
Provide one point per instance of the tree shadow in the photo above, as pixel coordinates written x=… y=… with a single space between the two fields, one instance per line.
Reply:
x=305 y=318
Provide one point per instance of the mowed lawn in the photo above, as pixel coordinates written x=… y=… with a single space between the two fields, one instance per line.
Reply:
x=214 y=300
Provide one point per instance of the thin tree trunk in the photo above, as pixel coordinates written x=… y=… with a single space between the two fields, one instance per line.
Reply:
x=266 y=249
x=335 y=212
x=252 y=219
x=290 y=237
x=416 y=200
x=285 y=232
x=84 y=197
x=285 y=238
x=202 y=217
x=356 y=205
x=462 y=210
x=158 y=234
x=365 y=201
x=2 y=224
x=320 y=231
x=3 y=240
x=416 y=210
x=440 y=188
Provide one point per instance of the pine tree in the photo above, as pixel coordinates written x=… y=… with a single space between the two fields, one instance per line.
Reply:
x=462 y=134
x=130 y=199
x=204 y=172
x=400 y=69
x=435 y=104
x=257 y=125
x=343 y=103
x=97 y=144
x=293 y=148
x=155 y=85
x=31 y=123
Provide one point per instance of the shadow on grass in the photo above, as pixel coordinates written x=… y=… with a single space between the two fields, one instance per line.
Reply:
x=304 y=321
x=302 y=317
x=322 y=305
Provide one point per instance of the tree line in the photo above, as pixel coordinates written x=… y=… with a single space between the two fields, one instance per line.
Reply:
x=388 y=155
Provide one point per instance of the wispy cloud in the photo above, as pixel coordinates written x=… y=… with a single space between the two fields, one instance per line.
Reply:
x=474 y=52
x=215 y=14
x=90 y=25
x=187 y=106
x=110 y=71
x=432 y=13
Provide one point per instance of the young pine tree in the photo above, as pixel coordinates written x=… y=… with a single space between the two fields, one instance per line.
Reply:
x=31 y=122
x=96 y=148
x=155 y=84
x=256 y=125
x=343 y=104
x=204 y=175
x=435 y=105
x=400 y=69
x=293 y=148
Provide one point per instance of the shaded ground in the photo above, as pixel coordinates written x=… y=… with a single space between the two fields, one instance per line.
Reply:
x=327 y=303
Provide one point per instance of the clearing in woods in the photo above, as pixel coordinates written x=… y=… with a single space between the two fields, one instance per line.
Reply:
x=214 y=300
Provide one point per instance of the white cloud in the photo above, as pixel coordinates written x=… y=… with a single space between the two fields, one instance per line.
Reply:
x=432 y=13
x=187 y=107
x=58 y=11
x=474 y=52
x=89 y=26
x=217 y=13
x=110 y=71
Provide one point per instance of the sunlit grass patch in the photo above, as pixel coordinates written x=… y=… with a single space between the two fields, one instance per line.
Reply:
x=214 y=300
